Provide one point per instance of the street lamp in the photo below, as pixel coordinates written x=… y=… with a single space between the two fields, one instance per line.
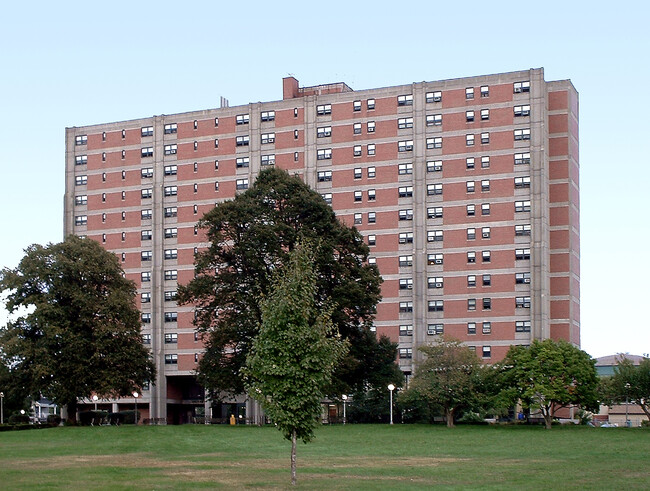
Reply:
x=627 y=394
x=2 y=408
x=135 y=416
x=95 y=401
x=391 y=388
x=345 y=399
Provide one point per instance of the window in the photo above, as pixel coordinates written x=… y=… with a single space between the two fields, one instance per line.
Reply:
x=267 y=159
x=485 y=209
x=522 y=182
x=434 y=212
x=123 y=134
x=485 y=232
x=403 y=169
x=471 y=233
x=81 y=180
x=371 y=149
x=356 y=106
x=171 y=253
x=469 y=140
x=171 y=128
x=487 y=256
x=522 y=254
x=356 y=128
x=522 y=326
x=487 y=352
x=171 y=274
x=403 y=123
x=295 y=112
x=405 y=146
x=171 y=233
x=241 y=184
x=170 y=149
x=171 y=337
x=435 y=329
x=485 y=185
x=405 y=238
x=522 y=134
x=371 y=194
x=469 y=93
x=146 y=255
x=103 y=156
x=406 y=261
x=146 y=214
x=103 y=217
x=433 y=259
x=433 y=96
x=370 y=126
x=471 y=210
x=434 y=235
x=324 y=109
x=171 y=190
x=434 y=189
x=146 y=172
x=268 y=138
x=196 y=124
x=324 y=154
x=358 y=173
x=216 y=165
x=372 y=240
x=522 y=110
x=405 y=191
x=196 y=209
x=471 y=328
x=522 y=229
x=471 y=304
x=434 y=119
x=487 y=304
x=327 y=197
x=357 y=150
x=268 y=115
x=485 y=138
x=171 y=359
x=171 y=317
x=81 y=199
x=485 y=91
x=370 y=104
x=242 y=141
x=216 y=122
x=103 y=136
x=146 y=339
x=243 y=161
x=522 y=302
x=435 y=282
x=469 y=116
x=372 y=217
x=521 y=87
x=522 y=278
x=406 y=214
x=171 y=211
x=358 y=195
x=406 y=330
x=81 y=140
x=487 y=280
x=216 y=143
x=170 y=295
x=435 y=142
x=436 y=305
x=81 y=220
x=145 y=235
x=406 y=283
x=406 y=353
x=405 y=100
x=196 y=145
x=485 y=162
x=522 y=158
x=145 y=318
x=325 y=131
x=358 y=219
x=81 y=159
x=372 y=170
x=471 y=257
x=406 y=306
x=471 y=280
x=470 y=186
x=521 y=206
x=485 y=114
x=242 y=118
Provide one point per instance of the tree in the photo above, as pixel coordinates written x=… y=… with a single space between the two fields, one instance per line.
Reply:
x=447 y=378
x=631 y=383
x=295 y=353
x=550 y=375
x=250 y=237
x=77 y=330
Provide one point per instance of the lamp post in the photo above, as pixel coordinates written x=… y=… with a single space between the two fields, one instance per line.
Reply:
x=2 y=408
x=95 y=401
x=391 y=388
x=345 y=400
x=627 y=394
x=135 y=416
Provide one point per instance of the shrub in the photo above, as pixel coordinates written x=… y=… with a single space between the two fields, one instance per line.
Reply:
x=53 y=419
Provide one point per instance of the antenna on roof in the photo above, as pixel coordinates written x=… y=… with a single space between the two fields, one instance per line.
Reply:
x=224 y=102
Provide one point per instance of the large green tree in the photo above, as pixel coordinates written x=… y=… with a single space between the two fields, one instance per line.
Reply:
x=295 y=353
x=549 y=375
x=631 y=383
x=250 y=237
x=75 y=329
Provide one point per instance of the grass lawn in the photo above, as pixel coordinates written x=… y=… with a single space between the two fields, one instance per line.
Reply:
x=341 y=457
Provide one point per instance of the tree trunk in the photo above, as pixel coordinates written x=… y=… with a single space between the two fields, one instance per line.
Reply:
x=449 y=416
x=548 y=417
x=644 y=407
x=293 y=458
x=72 y=412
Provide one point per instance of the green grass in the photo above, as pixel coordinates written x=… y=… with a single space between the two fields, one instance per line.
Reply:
x=341 y=457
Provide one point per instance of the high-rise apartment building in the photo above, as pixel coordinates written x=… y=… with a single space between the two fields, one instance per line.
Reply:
x=466 y=191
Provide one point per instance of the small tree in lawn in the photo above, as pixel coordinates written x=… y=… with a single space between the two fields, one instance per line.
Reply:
x=293 y=357
x=631 y=383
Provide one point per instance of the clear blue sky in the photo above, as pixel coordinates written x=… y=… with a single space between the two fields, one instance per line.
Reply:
x=78 y=63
